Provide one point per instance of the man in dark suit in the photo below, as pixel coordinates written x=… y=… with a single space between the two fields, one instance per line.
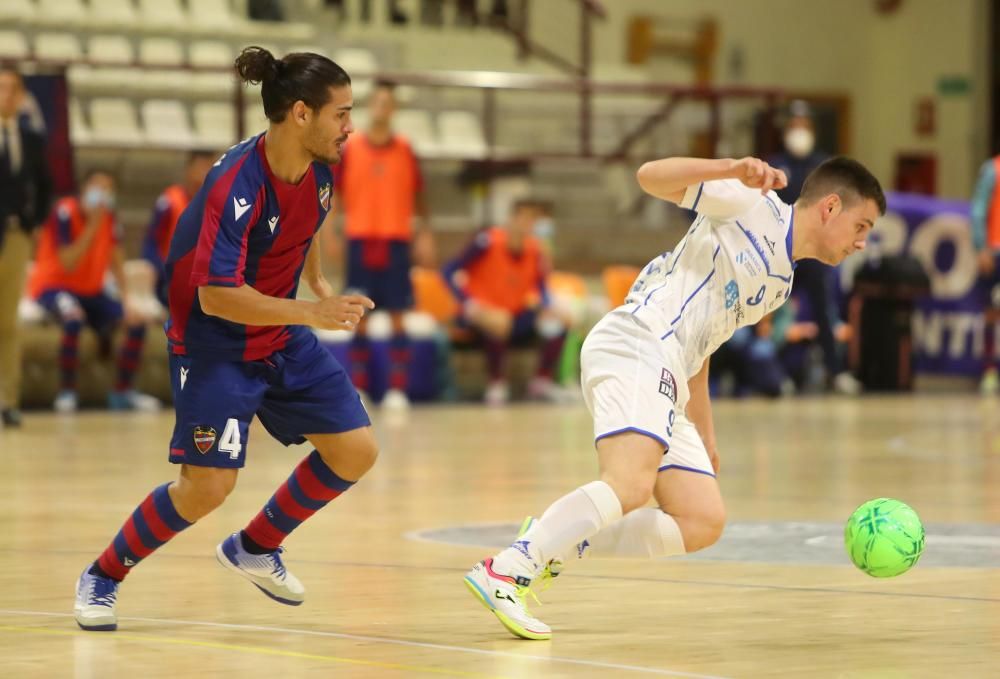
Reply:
x=25 y=195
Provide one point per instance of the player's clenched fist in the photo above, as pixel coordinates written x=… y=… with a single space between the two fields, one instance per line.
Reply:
x=343 y=312
x=757 y=174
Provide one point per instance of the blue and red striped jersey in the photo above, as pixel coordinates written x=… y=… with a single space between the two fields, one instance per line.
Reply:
x=244 y=227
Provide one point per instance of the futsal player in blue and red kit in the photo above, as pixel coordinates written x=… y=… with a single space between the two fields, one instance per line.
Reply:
x=238 y=343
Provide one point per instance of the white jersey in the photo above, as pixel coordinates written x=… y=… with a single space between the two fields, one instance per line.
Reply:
x=731 y=269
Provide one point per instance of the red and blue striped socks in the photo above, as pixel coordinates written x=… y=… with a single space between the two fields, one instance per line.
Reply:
x=310 y=487
x=152 y=524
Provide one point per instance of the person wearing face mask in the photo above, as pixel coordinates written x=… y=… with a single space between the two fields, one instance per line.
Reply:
x=813 y=278
x=25 y=194
x=500 y=279
x=79 y=244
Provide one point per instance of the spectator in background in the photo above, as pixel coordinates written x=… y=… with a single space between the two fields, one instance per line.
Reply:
x=500 y=279
x=380 y=189
x=79 y=244
x=985 y=218
x=812 y=278
x=169 y=206
x=25 y=194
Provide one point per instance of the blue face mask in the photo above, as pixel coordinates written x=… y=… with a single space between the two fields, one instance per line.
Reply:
x=544 y=228
x=94 y=198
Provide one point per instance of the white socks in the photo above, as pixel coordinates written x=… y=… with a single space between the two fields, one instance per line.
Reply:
x=643 y=534
x=569 y=521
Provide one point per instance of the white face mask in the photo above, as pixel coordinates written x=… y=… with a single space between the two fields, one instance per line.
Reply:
x=799 y=141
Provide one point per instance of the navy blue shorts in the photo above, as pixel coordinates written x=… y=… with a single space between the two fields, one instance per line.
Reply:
x=389 y=287
x=299 y=390
x=101 y=312
x=522 y=331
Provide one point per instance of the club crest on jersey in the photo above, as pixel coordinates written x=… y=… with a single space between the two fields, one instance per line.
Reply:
x=732 y=294
x=668 y=385
x=324 y=196
x=204 y=438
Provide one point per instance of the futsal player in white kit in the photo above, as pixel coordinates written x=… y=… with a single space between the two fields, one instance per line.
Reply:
x=645 y=366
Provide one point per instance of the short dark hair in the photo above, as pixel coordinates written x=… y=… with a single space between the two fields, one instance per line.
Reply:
x=304 y=76
x=383 y=84
x=846 y=177
x=201 y=154
x=531 y=203
x=94 y=171
x=11 y=67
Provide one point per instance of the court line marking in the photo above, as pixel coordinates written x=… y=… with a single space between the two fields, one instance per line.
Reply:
x=584 y=576
x=257 y=650
x=377 y=640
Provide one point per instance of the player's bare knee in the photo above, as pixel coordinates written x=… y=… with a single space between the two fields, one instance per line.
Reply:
x=633 y=492
x=198 y=493
x=351 y=462
x=703 y=528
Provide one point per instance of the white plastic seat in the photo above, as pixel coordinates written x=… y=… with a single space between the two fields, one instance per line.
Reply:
x=161 y=52
x=361 y=65
x=57 y=47
x=211 y=54
x=61 y=13
x=79 y=131
x=254 y=120
x=13 y=45
x=17 y=11
x=214 y=125
x=113 y=122
x=418 y=127
x=112 y=14
x=106 y=50
x=164 y=14
x=215 y=17
x=165 y=122
x=461 y=134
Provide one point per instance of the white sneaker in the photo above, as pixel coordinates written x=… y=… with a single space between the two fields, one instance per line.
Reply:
x=133 y=400
x=546 y=389
x=497 y=393
x=266 y=571
x=66 y=402
x=95 y=602
x=504 y=596
x=845 y=383
x=990 y=383
x=395 y=399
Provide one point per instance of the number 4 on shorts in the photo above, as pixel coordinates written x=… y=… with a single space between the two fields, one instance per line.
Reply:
x=230 y=442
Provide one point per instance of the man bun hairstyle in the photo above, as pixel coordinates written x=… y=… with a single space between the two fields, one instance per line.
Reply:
x=846 y=177
x=304 y=76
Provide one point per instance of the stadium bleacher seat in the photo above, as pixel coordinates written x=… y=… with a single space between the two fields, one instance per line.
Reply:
x=113 y=122
x=461 y=135
x=165 y=123
x=13 y=44
x=214 y=125
x=112 y=14
x=418 y=127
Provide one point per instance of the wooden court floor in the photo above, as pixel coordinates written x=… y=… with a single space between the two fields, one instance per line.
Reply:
x=383 y=604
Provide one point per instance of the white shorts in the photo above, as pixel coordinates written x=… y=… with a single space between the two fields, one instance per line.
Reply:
x=633 y=381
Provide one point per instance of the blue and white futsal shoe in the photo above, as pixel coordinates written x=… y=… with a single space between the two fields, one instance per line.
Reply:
x=266 y=571
x=95 y=602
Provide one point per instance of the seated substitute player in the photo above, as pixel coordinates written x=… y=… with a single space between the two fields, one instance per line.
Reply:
x=79 y=244
x=645 y=366
x=167 y=211
x=500 y=278
x=238 y=342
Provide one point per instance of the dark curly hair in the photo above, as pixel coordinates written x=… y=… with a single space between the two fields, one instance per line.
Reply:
x=297 y=76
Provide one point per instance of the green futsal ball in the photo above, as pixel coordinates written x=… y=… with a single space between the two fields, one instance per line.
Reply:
x=884 y=537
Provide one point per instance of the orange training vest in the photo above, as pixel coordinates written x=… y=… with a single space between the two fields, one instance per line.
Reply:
x=378 y=187
x=505 y=279
x=88 y=277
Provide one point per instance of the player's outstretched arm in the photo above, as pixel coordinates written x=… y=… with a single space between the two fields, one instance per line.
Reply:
x=246 y=306
x=669 y=178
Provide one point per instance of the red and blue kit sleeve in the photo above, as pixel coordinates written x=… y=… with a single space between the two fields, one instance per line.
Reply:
x=232 y=208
